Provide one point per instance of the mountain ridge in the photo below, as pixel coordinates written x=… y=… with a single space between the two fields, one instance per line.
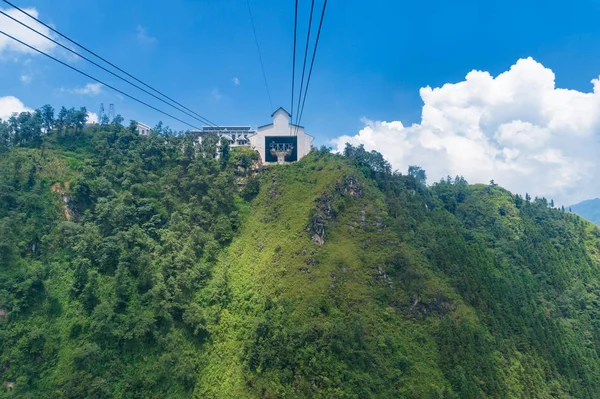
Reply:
x=181 y=275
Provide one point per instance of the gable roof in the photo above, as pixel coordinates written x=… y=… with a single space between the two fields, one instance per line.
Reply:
x=277 y=110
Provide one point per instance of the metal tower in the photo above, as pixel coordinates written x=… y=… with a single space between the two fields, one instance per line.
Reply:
x=101 y=113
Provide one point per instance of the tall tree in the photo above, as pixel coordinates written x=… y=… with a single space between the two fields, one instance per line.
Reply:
x=62 y=119
x=47 y=115
x=132 y=126
x=118 y=121
x=80 y=118
x=4 y=136
x=418 y=173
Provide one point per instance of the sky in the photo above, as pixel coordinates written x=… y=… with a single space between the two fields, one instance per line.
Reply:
x=488 y=90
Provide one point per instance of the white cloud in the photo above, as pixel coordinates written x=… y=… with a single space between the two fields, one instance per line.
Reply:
x=235 y=81
x=92 y=117
x=143 y=36
x=216 y=95
x=10 y=105
x=9 y=47
x=26 y=79
x=516 y=128
x=90 y=89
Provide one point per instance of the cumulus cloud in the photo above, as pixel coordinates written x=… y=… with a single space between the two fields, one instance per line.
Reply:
x=9 y=47
x=517 y=128
x=10 y=105
x=92 y=117
x=90 y=89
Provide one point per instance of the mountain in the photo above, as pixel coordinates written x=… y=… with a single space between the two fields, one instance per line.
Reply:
x=589 y=209
x=141 y=266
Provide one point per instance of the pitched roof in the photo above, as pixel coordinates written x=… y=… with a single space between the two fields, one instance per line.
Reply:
x=280 y=108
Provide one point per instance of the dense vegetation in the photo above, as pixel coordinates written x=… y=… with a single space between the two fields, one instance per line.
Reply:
x=144 y=267
x=589 y=209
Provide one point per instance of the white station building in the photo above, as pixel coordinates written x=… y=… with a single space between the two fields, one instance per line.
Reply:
x=281 y=141
x=278 y=142
x=143 y=129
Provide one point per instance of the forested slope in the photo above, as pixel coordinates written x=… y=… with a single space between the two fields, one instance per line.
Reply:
x=138 y=266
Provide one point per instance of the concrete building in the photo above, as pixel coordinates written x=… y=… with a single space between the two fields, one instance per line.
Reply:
x=236 y=135
x=143 y=129
x=277 y=142
x=281 y=141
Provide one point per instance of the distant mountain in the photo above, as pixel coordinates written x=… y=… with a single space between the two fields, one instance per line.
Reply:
x=589 y=209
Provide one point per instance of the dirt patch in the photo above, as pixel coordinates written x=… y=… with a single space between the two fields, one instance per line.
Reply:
x=61 y=190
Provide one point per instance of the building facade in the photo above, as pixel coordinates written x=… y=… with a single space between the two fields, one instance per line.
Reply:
x=143 y=129
x=238 y=136
x=277 y=142
x=281 y=141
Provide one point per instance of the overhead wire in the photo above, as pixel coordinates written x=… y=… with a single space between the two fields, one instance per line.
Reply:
x=200 y=119
x=262 y=65
x=312 y=7
x=105 y=60
x=312 y=61
x=98 y=80
x=293 y=64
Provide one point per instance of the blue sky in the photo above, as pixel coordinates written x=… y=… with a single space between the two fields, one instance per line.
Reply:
x=373 y=59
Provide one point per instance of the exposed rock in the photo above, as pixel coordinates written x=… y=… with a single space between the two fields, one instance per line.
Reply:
x=311 y=261
x=304 y=270
x=260 y=246
x=9 y=385
x=350 y=186
x=59 y=189
x=383 y=277
x=440 y=306
x=318 y=230
x=3 y=315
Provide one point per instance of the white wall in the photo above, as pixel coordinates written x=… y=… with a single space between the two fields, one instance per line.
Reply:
x=143 y=129
x=281 y=128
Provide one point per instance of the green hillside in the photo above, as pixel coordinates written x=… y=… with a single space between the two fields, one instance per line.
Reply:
x=142 y=267
x=589 y=209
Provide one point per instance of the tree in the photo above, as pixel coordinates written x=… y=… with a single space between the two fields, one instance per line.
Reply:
x=14 y=131
x=418 y=173
x=552 y=203
x=158 y=128
x=80 y=118
x=118 y=121
x=4 y=136
x=47 y=115
x=62 y=119
x=132 y=126
x=518 y=201
x=527 y=197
